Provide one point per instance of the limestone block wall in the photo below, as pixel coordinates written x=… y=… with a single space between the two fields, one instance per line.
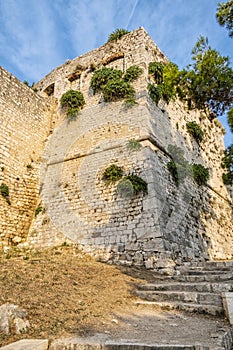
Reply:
x=170 y=223
x=25 y=125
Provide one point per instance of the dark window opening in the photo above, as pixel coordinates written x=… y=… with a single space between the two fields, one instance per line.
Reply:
x=49 y=90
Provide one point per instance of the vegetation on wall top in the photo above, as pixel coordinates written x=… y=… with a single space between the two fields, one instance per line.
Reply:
x=72 y=101
x=117 y=34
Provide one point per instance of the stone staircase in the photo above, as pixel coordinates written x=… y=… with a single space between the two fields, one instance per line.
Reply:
x=194 y=288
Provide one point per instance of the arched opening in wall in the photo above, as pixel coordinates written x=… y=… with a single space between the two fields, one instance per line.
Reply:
x=115 y=61
x=49 y=91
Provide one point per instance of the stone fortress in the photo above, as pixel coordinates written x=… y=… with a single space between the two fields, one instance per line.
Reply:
x=55 y=164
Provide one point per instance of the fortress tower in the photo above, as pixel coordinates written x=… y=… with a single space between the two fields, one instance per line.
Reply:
x=56 y=166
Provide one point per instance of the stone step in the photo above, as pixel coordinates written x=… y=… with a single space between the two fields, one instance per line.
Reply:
x=188 y=287
x=213 y=277
x=130 y=346
x=27 y=344
x=188 y=307
x=209 y=265
x=180 y=296
x=207 y=272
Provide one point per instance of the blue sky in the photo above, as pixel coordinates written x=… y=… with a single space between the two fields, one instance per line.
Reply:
x=36 y=36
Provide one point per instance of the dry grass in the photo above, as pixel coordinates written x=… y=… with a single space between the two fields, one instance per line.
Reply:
x=64 y=291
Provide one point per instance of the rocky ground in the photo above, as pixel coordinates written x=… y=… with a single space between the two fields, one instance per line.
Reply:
x=67 y=294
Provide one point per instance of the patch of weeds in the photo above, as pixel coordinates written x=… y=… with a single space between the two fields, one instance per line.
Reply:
x=117 y=89
x=125 y=188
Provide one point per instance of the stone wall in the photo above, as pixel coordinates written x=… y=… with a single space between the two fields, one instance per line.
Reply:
x=25 y=125
x=170 y=223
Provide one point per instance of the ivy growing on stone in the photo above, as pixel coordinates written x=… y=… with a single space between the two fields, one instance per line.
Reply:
x=72 y=101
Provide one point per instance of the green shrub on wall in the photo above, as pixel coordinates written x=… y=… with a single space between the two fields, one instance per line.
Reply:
x=200 y=174
x=166 y=77
x=117 y=34
x=180 y=168
x=195 y=130
x=117 y=89
x=112 y=174
x=72 y=101
x=38 y=210
x=114 y=84
x=132 y=185
x=132 y=73
x=102 y=76
x=156 y=70
x=134 y=145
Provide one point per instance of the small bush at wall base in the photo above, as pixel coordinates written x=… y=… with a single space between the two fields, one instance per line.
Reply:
x=200 y=174
x=195 y=130
x=112 y=174
x=117 y=34
x=73 y=101
x=4 y=190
